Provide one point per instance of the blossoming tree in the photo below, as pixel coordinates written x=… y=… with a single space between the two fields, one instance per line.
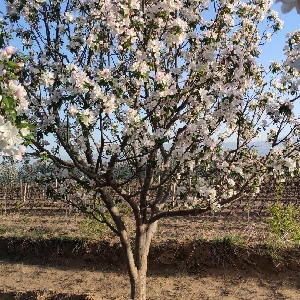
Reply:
x=142 y=96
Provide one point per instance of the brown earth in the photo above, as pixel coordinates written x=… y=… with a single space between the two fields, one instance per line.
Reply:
x=209 y=257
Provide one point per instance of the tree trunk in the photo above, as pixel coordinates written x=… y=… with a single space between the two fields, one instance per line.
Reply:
x=137 y=268
x=137 y=260
x=138 y=286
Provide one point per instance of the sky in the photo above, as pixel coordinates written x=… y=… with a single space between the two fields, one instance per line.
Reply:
x=273 y=51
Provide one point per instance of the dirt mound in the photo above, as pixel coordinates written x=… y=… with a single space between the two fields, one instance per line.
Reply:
x=188 y=256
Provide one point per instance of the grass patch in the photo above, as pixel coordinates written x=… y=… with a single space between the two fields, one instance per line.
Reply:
x=230 y=241
x=284 y=222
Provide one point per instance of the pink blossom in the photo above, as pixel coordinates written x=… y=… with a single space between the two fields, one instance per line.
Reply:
x=19 y=93
x=23 y=104
x=9 y=50
x=22 y=149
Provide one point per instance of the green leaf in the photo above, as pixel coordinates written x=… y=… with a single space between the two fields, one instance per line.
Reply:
x=8 y=101
x=44 y=156
x=28 y=140
x=27 y=125
x=12 y=64
x=13 y=116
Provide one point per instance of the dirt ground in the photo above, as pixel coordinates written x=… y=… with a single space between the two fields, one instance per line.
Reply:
x=72 y=279
x=85 y=278
x=199 y=258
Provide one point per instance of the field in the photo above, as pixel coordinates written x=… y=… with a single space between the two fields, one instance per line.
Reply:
x=51 y=251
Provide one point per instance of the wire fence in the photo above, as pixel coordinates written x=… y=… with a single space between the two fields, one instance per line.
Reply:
x=31 y=198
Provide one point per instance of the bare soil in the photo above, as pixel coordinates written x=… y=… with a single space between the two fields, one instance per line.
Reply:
x=62 y=256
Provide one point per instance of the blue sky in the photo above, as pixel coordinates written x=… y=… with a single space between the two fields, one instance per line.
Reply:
x=273 y=51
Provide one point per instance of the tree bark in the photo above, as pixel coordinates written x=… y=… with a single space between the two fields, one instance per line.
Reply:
x=136 y=260
x=138 y=286
x=138 y=268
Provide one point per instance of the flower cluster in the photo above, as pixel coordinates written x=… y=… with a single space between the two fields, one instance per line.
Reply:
x=13 y=107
